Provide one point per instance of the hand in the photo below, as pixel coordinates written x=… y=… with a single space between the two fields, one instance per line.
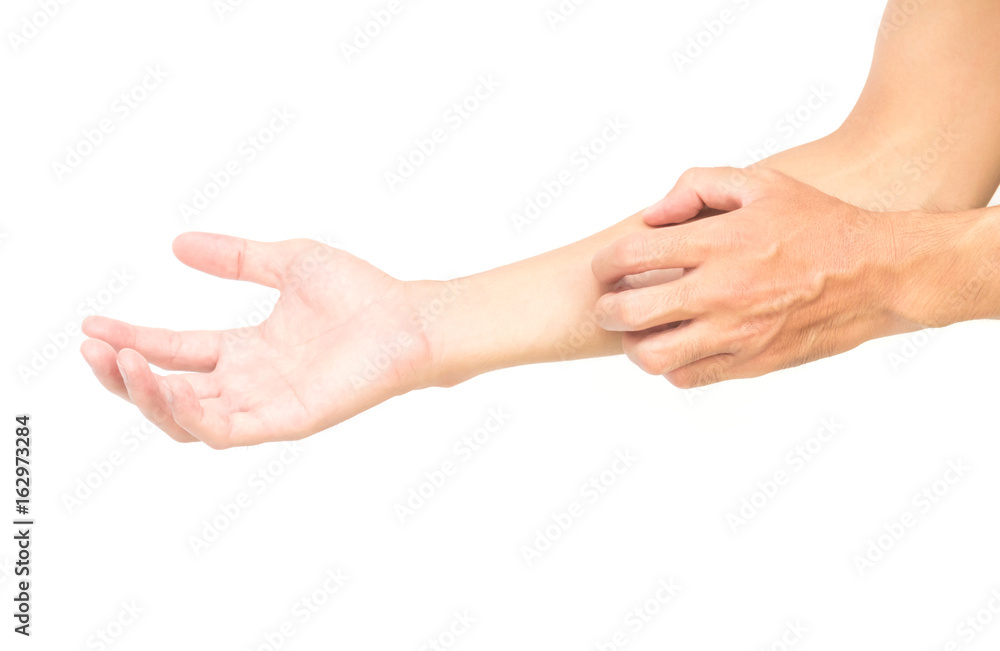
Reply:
x=786 y=276
x=342 y=338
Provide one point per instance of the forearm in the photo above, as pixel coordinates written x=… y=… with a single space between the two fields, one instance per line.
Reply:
x=543 y=309
x=536 y=310
x=946 y=266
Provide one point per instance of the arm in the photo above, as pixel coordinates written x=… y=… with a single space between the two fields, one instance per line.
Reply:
x=924 y=135
x=925 y=129
x=787 y=275
x=793 y=274
x=344 y=336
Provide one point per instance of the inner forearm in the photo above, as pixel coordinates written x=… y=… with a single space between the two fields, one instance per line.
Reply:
x=536 y=310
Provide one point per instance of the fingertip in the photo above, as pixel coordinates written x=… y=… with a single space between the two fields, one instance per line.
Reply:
x=182 y=243
x=130 y=361
x=603 y=308
x=663 y=212
x=87 y=356
x=104 y=328
x=653 y=216
x=94 y=325
x=599 y=265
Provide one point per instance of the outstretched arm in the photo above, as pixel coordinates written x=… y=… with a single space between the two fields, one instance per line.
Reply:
x=344 y=336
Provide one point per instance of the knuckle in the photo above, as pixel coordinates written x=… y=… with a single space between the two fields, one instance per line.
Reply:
x=693 y=173
x=680 y=295
x=690 y=351
x=176 y=343
x=631 y=251
x=665 y=244
x=241 y=256
x=699 y=376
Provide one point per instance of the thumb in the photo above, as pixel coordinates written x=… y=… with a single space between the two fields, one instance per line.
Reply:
x=717 y=188
x=264 y=263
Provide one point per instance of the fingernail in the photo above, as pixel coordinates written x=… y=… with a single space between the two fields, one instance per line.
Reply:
x=167 y=393
x=121 y=369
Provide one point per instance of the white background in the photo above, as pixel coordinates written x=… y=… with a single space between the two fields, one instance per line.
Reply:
x=699 y=453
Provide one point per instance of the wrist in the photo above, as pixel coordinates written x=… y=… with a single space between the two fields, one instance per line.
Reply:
x=946 y=267
x=435 y=305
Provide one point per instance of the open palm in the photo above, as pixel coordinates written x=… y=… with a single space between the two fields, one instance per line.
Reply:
x=343 y=337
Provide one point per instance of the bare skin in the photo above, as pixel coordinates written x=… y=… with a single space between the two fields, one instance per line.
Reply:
x=788 y=275
x=794 y=275
x=345 y=336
